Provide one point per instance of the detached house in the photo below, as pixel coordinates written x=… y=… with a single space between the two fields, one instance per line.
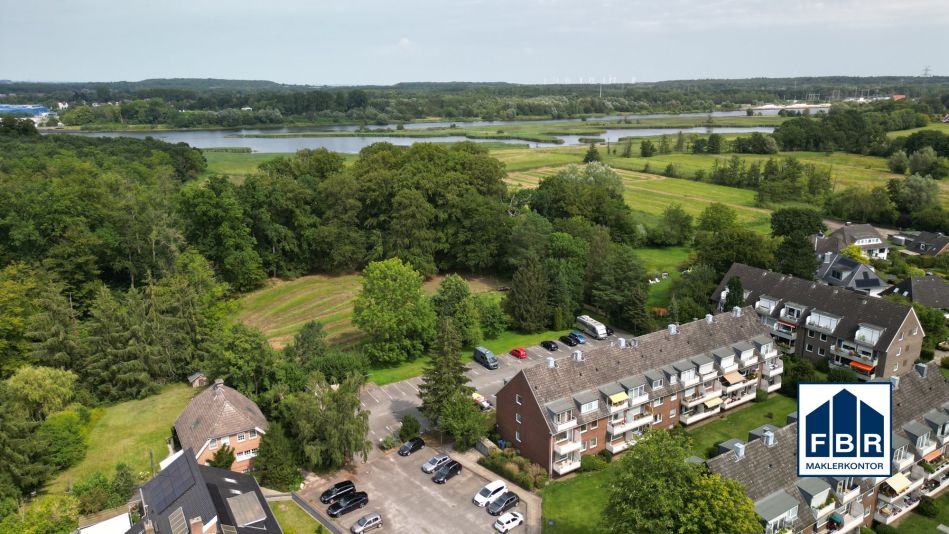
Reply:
x=220 y=416
x=928 y=244
x=603 y=398
x=927 y=290
x=187 y=498
x=873 y=337
x=863 y=235
x=767 y=466
x=841 y=271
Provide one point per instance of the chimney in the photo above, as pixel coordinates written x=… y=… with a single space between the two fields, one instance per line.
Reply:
x=149 y=527
x=736 y=311
x=577 y=356
x=551 y=363
x=709 y=318
x=197 y=526
x=739 y=451
x=218 y=386
x=673 y=329
x=622 y=342
x=769 y=438
x=634 y=342
x=922 y=369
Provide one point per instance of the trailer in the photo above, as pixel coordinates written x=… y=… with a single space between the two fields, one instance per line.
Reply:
x=591 y=326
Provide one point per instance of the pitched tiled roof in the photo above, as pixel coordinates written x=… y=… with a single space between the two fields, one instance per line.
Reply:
x=653 y=352
x=844 y=236
x=853 y=308
x=856 y=275
x=928 y=290
x=928 y=243
x=216 y=412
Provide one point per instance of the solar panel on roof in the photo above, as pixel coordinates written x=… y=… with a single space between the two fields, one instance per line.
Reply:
x=177 y=522
x=867 y=283
x=172 y=482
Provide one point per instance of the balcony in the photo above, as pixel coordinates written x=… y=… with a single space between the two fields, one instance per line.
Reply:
x=784 y=347
x=690 y=382
x=695 y=417
x=927 y=447
x=942 y=439
x=565 y=466
x=710 y=375
x=788 y=334
x=731 y=403
x=903 y=463
x=617 y=446
x=940 y=466
x=848 y=494
x=886 y=495
x=640 y=399
x=618 y=407
x=697 y=399
x=566 y=425
x=770 y=354
x=748 y=362
x=770 y=388
x=853 y=355
x=566 y=446
x=851 y=523
x=773 y=369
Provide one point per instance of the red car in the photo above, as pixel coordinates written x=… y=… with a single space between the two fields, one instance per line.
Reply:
x=519 y=353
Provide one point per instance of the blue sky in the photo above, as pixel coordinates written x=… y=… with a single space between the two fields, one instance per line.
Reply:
x=527 y=41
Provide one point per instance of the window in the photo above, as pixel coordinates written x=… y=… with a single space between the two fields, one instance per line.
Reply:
x=518 y=399
x=899 y=454
x=638 y=392
x=560 y=437
x=517 y=436
x=592 y=443
x=252 y=434
x=657 y=401
x=899 y=350
x=820 y=351
x=226 y=440
x=583 y=428
x=589 y=407
x=672 y=412
x=563 y=417
x=823 y=337
x=672 y=379
x=901 y=336
x=594 y=424
x=809 y=348
x=583 y=445
x=896 y=366
x=241 y=437
x=517 y=417
x=673 y=397
x=656 y=384
x=212 y=443
x=810 y=333
x=915 y=330
x=657 y=418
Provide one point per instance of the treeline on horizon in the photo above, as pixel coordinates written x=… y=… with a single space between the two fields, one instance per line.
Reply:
x=203 y=103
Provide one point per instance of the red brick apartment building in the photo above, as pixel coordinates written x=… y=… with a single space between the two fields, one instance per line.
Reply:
x=603 y=398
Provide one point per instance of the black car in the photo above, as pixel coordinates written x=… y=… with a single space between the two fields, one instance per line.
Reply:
x=411 y=446
x=348 y=503
x=446 y=472
x=503 y=503
x=568 y=341
x=549 y=345
x=337 y=491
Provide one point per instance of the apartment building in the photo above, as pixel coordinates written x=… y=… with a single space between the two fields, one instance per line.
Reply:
x=767 y=466
x=603 y=398
x=873 y=337
x=220 y=416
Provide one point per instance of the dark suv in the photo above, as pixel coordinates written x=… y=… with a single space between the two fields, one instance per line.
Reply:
x=568 y=341
x=503 y=503
x=549 y=345
x=348 y=503
x=336 y=491
x=446 y=472
x=411 y=446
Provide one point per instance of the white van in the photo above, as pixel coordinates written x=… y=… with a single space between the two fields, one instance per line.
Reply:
x=591 y=326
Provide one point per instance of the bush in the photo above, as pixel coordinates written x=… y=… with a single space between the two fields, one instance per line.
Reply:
x=926 y=354
x=822 y=365
x=928 y=467
x=388 y=442
x=838 y=374
x=606 y=455
x=592 y=462
x=761 y=395
x=515 y=468
x=927 y=507
x=866 y=530
x=410 y=428
x=944 y=363
x=885 y=529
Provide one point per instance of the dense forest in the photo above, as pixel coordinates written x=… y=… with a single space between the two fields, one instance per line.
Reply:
x=188 y=103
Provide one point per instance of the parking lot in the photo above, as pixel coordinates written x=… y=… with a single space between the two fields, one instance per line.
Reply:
x=409 y=501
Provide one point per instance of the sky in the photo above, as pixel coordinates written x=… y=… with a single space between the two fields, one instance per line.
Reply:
x=354 y=42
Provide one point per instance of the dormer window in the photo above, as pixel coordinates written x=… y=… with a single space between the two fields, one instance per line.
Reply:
x=672 y=379
x=589 y=407
x=792 y=312
x=564 y=417
x=922 y=441
x=688 y=375
x=638 y=391
x=899 y=454
x=656 y=384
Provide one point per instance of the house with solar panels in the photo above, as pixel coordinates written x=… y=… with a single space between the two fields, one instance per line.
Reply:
x=188 y=498
x=220 y=416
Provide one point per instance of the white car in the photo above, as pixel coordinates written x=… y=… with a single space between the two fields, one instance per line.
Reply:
x=489 y=493
x=508 y=521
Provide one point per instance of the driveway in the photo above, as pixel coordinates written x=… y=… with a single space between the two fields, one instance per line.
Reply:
x=409 y=501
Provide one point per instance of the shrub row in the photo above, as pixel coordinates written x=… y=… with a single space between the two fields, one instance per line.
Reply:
x=515 y=468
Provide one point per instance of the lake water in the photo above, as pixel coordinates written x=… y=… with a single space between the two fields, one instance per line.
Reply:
x=352 y=145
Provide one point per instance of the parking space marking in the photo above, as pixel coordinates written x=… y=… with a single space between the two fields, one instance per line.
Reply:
x=386 y=392
x=411 y=385
x=373 y=397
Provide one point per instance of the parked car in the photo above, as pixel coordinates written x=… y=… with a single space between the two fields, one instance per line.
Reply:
x=519 y=352
x=549 y=345
x=437 y=461
x=578 y=337
x=508 y=521
x=503 y=503
x=568 y=341
x=609 y=331
x=367 y=522
x=446 y=472
x=486 y=358
x=336 y=491
x=348 y=503
x=489 y=492
x=483 y=403
x=411 y=446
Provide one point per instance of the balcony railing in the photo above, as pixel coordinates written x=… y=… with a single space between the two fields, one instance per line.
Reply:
x=618 y=407
x=565 y=466
x=788 y=334
x=847 y=494
x=769 y=354
x=694 y=417
x=853 y=355
x=773 y=369
x=902 y=463
x=635 y=401
x=690 y=382
x=566 y=446
x=617 y=446
x=699 y=398
x=748 y=362
x=731 y=403
x=566 y=425
x=925 y=448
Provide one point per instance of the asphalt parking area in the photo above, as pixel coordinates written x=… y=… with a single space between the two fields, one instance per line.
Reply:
x=409 y=501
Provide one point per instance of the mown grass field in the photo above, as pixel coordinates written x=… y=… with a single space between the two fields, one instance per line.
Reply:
x=916 y=523
x=125 y=433
x=575 y=505
x=292 y=518
x=938 y=126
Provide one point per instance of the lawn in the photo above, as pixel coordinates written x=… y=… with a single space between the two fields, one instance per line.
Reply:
x=576 y=504
x=236 y=163
x=126 y=433
x=292 y=518
x=737 y=423
x=914 y=522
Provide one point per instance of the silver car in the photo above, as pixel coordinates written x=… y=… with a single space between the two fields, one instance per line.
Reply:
x=366 y=523
x=436 y=462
